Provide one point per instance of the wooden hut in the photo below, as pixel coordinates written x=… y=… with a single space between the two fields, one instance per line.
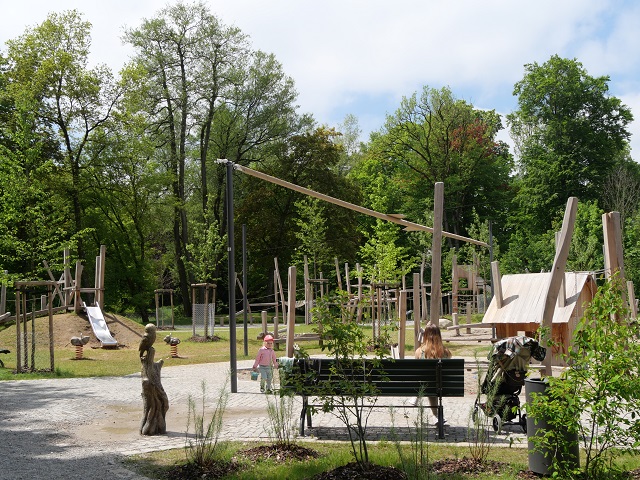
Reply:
x=522 y=304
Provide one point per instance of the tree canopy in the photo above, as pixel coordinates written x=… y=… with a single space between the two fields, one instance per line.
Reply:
x=129 y=160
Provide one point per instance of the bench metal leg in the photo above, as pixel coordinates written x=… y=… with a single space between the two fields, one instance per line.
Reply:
x=440 y=421
x=305 y=414
x=302 y=416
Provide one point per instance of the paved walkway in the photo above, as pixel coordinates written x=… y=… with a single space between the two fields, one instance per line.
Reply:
x=84 y=427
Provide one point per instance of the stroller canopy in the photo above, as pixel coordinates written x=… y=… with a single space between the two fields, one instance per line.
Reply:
x=514 y=353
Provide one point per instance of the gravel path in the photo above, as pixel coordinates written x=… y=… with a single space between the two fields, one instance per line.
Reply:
x=84 y=427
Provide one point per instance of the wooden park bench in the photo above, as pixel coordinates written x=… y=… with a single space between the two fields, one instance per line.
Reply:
x=388 y=377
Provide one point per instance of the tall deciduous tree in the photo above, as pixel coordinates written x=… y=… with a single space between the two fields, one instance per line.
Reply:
x=436 y=137
x=208 y=96
x=270 y=213
x=50 y=81
x=570 y=134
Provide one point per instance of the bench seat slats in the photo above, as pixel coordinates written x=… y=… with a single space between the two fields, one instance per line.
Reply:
x=387 y=378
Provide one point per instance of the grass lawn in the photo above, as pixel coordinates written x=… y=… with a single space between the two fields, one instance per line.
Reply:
x=502 y=463
x=99 y=362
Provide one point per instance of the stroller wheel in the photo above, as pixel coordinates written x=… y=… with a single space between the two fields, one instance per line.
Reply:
x=523 y=423
x=496 y=423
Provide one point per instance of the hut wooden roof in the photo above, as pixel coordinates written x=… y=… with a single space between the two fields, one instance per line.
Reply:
x=524 y=297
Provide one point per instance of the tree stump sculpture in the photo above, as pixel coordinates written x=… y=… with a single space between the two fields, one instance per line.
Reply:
x=155 y=400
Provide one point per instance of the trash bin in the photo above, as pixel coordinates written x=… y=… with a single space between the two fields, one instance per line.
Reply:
x=540 y=458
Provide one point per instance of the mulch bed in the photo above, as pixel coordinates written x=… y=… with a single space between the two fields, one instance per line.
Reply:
x=211 y=471
x=352 y=471
x=203 y=339
x=280 y=453
x=467 y=466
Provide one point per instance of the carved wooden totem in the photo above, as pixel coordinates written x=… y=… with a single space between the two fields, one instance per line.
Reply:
x=155 y=400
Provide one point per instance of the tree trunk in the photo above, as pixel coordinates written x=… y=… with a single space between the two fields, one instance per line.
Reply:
x=156 y=402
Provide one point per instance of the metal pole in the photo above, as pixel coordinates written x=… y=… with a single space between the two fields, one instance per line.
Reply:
x=245 y=303
x=232 y=279
x=491 y=279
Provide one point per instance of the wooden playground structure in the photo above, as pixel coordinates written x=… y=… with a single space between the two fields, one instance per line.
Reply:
x=48 y=297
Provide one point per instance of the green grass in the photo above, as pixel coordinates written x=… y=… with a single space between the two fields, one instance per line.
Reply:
x=100 y=362
x=333 y=454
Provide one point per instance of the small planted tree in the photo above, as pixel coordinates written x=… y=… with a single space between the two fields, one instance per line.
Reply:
x=599 y=396
x=203 y=446
x=348 y=395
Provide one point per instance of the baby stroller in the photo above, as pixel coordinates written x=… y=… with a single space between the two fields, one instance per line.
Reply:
x=508 y=363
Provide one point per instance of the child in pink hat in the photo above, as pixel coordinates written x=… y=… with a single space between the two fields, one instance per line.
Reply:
x=266 y=361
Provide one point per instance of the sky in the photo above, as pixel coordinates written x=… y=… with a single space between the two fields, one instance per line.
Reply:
x=361 y=57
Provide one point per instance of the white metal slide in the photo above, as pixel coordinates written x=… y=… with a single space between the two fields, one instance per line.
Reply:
x=99 y=326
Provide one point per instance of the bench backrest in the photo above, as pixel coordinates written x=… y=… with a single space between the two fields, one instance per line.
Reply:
x=386 y=377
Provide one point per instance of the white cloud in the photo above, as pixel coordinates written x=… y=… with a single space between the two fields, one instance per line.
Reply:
x=362 y=56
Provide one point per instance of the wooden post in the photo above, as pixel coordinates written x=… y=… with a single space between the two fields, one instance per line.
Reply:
x=416 y=308
x=100 y=279
x=338 y=273
x=454 y=316
x=291 y=321
x=308 y=292
x=347 y=279
x=213 y=303
x=562 y=293
x=157 y=298
x=402 y=315
x=77 y=301
x=3 y=294
x=193 y=302
x=497 y=283
x=276 y=299
x=281 y=291
x=632 y=300
x=359 y=302
x=51 y=344
x=96 y=283
x=18 y=339
x=614 y=260
x=557 y=275
x=206 y=309
x=469 y=309
x=436 y=252
x=263 y=314
x=454 y=284
x=68 y=282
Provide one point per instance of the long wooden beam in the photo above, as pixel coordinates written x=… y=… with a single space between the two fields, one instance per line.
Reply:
x=395 y=218
x=557 y=276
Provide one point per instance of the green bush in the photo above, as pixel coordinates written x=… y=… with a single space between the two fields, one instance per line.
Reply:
x=598 y=397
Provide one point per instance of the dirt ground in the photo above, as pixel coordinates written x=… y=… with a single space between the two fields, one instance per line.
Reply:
x=67 y=325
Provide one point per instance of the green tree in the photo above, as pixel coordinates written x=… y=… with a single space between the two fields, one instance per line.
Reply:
x=570 y=134
x=598 y=396
x=270 y=212
x=385 y=258
x=436 y=137
x=312 y=235
x=125 y=206
x=207 y=96
x=34 y=213
x=621 y=191
x=55 y=91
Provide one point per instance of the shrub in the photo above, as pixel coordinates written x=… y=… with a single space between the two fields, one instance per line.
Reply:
x=598 y=397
